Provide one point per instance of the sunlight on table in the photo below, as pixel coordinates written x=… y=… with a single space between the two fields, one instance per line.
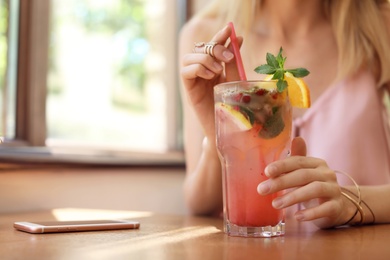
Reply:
x=156 y=241
x=67 y=214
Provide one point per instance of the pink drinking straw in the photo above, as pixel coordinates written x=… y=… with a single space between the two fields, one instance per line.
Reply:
x=237 y=54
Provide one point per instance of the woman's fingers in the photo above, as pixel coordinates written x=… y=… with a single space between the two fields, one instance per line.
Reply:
x=296 y=179
x=330 y=209
x=297 y=160
x=220 y=52
x=202 y=66
x=313 y=191
x=216 y=50
x=205 y=61
x=308 y=181
x=291 y=164
x=298 y=147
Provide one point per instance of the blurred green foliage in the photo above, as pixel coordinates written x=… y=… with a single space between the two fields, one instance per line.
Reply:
x=125 y=22
x=3 y=42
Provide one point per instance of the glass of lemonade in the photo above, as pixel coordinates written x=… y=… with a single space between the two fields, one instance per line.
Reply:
x=253 y=129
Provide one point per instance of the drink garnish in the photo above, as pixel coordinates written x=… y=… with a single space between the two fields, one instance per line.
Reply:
x=233 y=114
x=275 y=67
x=273 y=125
x=299 y=93
x=243 y=109
x=256 y=107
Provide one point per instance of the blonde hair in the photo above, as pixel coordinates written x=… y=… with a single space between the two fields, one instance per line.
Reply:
x=232 y=11
x=359 y=28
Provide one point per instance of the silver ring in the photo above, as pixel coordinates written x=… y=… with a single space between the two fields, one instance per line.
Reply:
x=208 y=47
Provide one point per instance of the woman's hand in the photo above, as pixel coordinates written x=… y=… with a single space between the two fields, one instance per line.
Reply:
x=309 y=181
x=200 y=72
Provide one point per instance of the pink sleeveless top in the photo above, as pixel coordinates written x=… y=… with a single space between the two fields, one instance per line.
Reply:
x=349 y=127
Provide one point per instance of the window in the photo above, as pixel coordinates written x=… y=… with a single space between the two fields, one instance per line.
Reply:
x=8 y=61
x=94 y=77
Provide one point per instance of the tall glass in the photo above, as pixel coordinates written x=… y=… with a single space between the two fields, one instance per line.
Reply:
x=253 y=129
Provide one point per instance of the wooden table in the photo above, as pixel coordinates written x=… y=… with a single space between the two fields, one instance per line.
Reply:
x=186 y=237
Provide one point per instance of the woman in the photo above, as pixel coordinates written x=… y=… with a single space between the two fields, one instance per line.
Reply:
x=343 y=45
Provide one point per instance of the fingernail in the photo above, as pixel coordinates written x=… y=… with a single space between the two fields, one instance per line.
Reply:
x=299 y=217
x=228 y=55
x=217 y=66
x=209 y=73
x=277 y=203
x=263 y=188
x=269 y=170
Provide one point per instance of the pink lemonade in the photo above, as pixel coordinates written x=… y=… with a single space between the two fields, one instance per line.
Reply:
x=253 y=124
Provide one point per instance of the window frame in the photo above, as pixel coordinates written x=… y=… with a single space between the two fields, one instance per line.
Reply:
x=30 y=127
x=32 y=71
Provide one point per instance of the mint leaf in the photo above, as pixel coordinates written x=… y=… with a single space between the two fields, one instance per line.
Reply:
x=273 y=124
x=265 y=69
x=248 y=114
x=299 y=72
x=279 y=74
x=281 y=85
x=280 y=59
x=275 y=66
x=271 y=60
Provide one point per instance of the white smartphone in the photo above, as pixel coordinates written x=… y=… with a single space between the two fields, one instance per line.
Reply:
x=73 y=226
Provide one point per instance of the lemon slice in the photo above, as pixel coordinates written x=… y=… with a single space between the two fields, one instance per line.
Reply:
x=235 y=117
x=298 y=91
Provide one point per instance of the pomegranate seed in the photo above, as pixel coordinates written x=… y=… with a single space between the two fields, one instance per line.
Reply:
x=246 y=99
x=261 y=92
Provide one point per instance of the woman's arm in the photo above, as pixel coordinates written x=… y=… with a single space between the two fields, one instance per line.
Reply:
x=376 y=197
x=200 y=73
